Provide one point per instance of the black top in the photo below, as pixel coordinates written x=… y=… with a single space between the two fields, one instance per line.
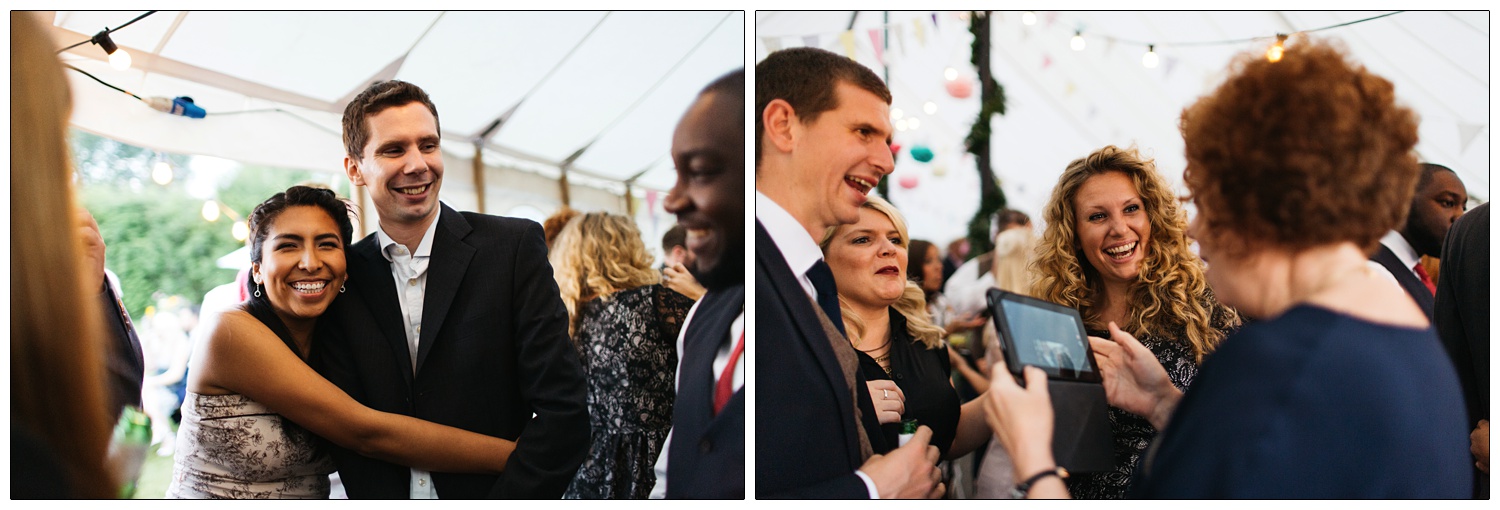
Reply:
x=1315 y=404
x=923 y=375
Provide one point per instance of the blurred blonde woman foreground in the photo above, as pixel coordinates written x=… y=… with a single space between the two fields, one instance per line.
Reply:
x=624 y=324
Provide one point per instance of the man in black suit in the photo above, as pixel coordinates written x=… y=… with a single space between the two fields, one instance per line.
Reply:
x=704 y=457
x=449 y=317
x=1439 y=201
x=1463 y=323
x=822 y=134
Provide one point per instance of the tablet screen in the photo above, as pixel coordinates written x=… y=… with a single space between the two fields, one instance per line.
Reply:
x=1045 y=335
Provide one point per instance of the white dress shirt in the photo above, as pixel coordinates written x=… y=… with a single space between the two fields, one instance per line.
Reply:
x=721 y=358
x=409 y=269
x=801 y=252
x=1404 y=252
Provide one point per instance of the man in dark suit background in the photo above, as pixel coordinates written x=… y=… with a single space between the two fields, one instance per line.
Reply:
x=1463 y=323
x=704 y=457
x=1439 y=201
x=822 y=143
x=449 y=317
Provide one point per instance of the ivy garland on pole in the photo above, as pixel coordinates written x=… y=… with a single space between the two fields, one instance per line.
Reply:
x=991 y=103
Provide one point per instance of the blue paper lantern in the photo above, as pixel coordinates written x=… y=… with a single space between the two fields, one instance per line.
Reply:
x=921 y=153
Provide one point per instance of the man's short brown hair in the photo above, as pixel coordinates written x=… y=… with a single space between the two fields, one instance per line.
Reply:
x=806 y=79
x=375 y=99
x=1307 y=151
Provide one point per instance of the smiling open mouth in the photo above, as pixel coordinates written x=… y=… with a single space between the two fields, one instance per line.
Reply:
x=1123 y=251
x=417 y=190
x=862 y=185
x=309 y=287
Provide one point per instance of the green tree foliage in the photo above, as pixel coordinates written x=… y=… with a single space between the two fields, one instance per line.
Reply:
x=156 y=239
x=991 y=103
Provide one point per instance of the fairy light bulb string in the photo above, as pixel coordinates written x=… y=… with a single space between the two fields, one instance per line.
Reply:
x=1274 y=53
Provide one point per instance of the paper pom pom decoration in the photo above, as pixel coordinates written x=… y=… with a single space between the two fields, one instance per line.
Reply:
x=895 y=148
x=908 y=181
x=960 y=88
x=921 y=153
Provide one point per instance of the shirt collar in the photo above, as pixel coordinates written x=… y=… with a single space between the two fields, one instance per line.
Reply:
x=800 y=250
x=1401 y=248
x=424 y=247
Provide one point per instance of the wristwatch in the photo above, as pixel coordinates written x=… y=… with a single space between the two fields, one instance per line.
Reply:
x=1019 y=492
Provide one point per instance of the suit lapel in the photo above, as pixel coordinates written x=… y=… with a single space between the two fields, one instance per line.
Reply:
x=445 y=272
x=371 y=278
x=798 y=305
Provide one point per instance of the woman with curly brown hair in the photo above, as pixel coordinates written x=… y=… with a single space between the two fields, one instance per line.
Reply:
x=1116 y=248
x=624 y=324
x=1341 y=390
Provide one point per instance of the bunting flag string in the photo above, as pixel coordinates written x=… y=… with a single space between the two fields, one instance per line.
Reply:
x=1467 y=133
x=875 y=42
x=773 y=44
x=811 y=41
x=847 y=39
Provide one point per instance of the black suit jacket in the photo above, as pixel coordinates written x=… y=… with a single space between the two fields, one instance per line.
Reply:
x=806 y=436
x=494 y=349
x=1462 y=315
x=707 y=458
x=1404 y=276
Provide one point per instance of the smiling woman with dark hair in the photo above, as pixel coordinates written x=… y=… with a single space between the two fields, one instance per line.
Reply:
x=254 y=405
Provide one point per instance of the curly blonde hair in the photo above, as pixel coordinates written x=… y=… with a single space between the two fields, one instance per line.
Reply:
x=1170 y=298
x=596 y=255
x=913 y=301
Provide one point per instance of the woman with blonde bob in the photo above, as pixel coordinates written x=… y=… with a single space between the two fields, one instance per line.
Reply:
x=1116 y=248
x=1341 y=389
x=901 y=352
x=624 y=324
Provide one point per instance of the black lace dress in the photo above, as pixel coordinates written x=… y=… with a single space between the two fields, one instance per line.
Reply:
x=1134 y=433
x=628 y=347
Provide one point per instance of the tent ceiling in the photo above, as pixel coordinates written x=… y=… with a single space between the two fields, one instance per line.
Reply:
x=617 y=79
x=1063 y=103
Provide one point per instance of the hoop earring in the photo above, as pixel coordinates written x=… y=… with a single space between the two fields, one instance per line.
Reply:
x=341 y=289
x=257 y=290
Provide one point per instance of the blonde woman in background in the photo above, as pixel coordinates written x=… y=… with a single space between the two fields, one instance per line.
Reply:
x=59 y=422
x=1013 y=250
x=624 y=324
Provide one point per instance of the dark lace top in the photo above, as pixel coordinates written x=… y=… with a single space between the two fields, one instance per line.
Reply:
x=627 y=345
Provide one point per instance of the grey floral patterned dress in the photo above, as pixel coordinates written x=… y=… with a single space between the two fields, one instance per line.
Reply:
x=628 y=347
x=231 y=447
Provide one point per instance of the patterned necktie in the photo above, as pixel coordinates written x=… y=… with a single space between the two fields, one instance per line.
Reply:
x=1426 y=280
x=828 y=293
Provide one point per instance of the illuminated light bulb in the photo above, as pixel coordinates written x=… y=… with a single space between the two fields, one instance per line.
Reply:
x=929 y=108
x=1274 y=53
x=1150 y=59
x=120 y=60
x=1028 y=18
x=950 y=73
x=162 y=173
x=896 y=114
x=901 y=125
x=1078 y=43
x=913 y=123
x=240 y=230
x=211 y=210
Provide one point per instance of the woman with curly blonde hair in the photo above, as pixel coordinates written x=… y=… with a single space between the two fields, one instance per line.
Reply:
x=901 y=352
x=1116 y=248
x=624 y=324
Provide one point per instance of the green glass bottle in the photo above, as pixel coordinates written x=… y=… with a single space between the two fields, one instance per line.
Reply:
x=908 y=429
x=127 y=448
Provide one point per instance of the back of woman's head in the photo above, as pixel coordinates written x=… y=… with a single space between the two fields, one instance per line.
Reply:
x=598 y=254
x=57 y=348
x=1310 y=150
x=1013 y=251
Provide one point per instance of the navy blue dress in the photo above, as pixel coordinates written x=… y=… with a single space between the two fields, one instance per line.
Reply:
x=1316 y=404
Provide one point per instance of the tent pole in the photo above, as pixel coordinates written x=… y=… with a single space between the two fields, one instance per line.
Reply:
x=562 y=185
x=359 y=198
x=479 y=177
x=629 y=200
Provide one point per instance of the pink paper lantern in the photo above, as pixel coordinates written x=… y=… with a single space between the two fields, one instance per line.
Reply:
x=960 y=88
x=908 y=181
x=895 y=148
